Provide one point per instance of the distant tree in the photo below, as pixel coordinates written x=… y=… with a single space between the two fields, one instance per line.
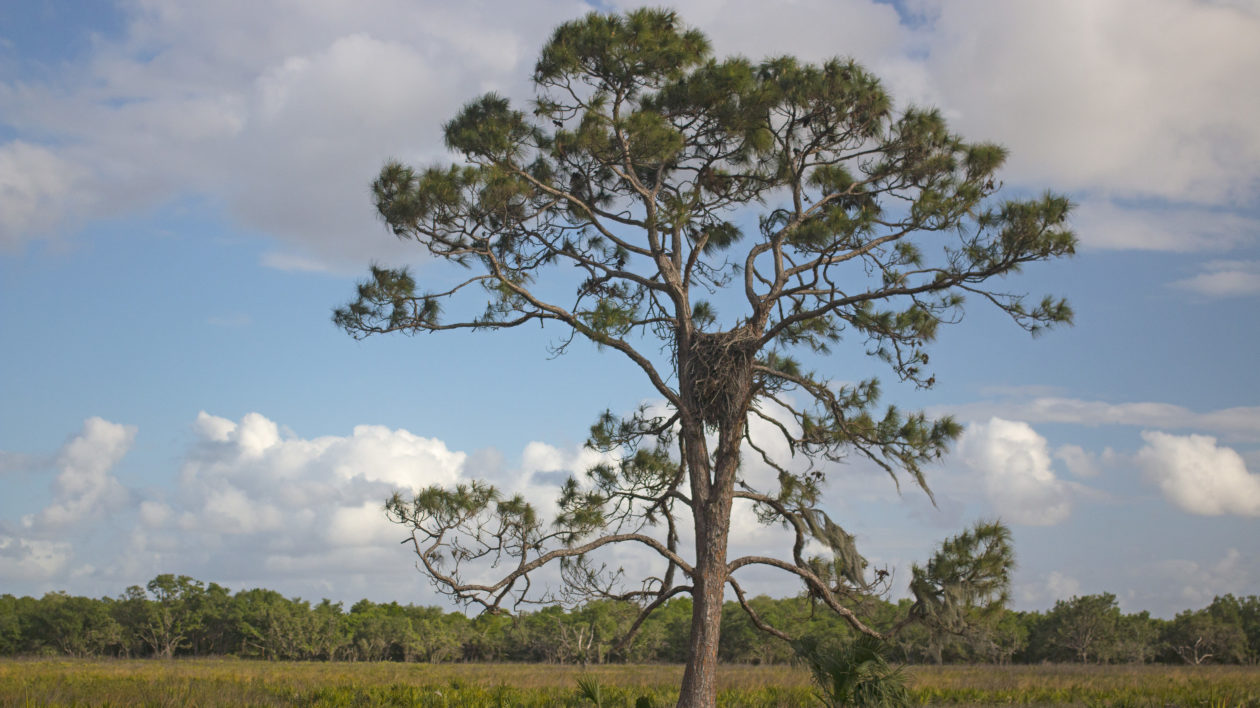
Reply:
x=1137 y=639
x=1199 y=637
x=167 y=622
x=663 y=635
x=76 y=626
x=441 y=634
x=743 y=643
x=11 y=634
x=271 y=626
x=998 y=639
x=674 y=186
x=380 y=634
x=214 y=631
x=1244 y=613
x=1085 y=626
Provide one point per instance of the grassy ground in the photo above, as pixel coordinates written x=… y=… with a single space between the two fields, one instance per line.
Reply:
x=208 y=682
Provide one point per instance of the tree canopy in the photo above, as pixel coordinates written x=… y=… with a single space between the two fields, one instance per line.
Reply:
x=729 y=220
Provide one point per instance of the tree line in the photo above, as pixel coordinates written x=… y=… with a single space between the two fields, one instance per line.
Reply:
x=176 y=616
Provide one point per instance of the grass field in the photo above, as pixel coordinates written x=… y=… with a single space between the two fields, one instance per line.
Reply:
x=206 y=682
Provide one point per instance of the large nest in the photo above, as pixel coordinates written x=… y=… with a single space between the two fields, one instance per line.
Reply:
x=718 y=369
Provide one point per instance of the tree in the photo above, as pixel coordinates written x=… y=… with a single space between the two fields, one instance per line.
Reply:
x=76 y=626
x=640 y=168
x=1086 y=626
x=12 y=611
x=167 y=623
x=1243 y=613
x=1137 y=639
x=1203 y=636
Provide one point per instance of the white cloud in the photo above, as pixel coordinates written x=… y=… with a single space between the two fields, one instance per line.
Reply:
x=281 y=112
x=85 y=489
x=153 y=513
x=1091 y=96
x=1225 y=279
x=32 y=559
x=1238 y=423
x=1198 y=476
x=36 y=184
x=1048 y=589
x=1103 y=225
x=1197 y=582
x=284 y=112
x=1079 y=462
x=812 y=30
x=256 y=504
x=1017 y=470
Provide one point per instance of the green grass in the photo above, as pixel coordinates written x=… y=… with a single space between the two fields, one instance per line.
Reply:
x=210 y=682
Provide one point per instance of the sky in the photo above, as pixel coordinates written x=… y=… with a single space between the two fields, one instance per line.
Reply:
x=184 y=199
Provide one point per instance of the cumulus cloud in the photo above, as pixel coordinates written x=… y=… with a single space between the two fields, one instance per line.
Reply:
x=86 y=489
x=1198 y=476
x=244 y=478
x=1079 y=462
x=85 y=492
x=1088 y=96
x=254 y=503
x=283 y=113
x=1015 y=463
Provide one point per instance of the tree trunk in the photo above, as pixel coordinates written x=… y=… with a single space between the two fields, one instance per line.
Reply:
x=715 y=380
x=699 y=683
x=711 y=503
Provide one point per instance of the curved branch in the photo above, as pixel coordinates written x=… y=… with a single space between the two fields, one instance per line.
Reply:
x=752 y=614
x=816 y=585
x=470 y=591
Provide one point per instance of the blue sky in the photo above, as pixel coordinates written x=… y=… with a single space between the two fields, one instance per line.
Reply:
x=184 y=199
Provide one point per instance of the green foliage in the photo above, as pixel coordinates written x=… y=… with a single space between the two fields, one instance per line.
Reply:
x=854 y=674
x=634 y=170
x=592 y=690
x=1084 y=627
x=970 y=573
x=263 y=624
x=75 y=626
x=1205 y=636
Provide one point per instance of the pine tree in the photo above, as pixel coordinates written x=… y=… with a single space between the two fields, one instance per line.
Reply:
x=794 y=194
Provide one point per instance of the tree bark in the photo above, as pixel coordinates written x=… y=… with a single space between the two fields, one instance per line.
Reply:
x=712 y=496
x=699 y=683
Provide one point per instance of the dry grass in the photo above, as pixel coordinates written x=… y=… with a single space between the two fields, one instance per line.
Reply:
x=1076 y=684
x=236 y=682
x=242 y=682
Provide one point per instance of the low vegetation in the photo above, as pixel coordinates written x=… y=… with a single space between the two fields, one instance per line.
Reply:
x=119 y=682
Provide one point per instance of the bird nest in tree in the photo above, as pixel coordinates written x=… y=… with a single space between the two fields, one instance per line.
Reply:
x=719 y=368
